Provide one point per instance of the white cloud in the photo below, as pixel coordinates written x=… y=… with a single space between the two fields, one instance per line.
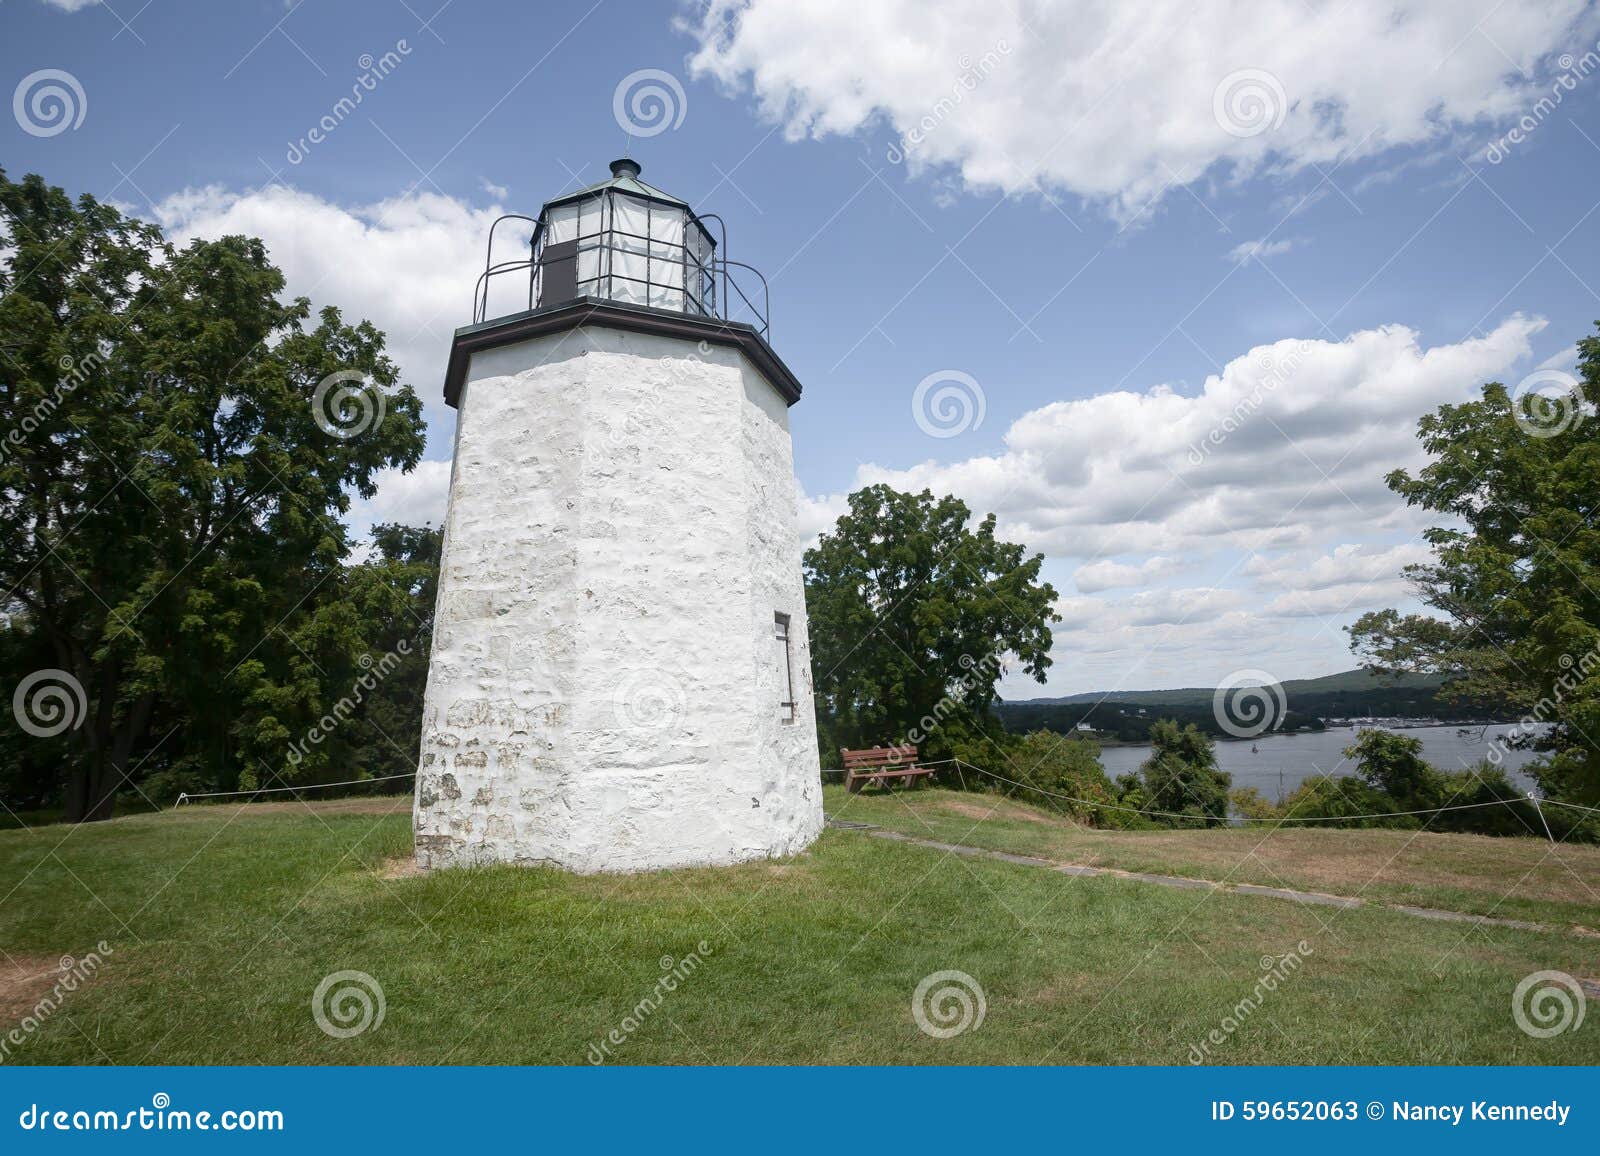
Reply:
x=1271 y=475
x=414 y=499
x=1119 y=102
x=1258 y=250
x=1562 y=359
x=1347 y=563
x=1108 y=624
x=817 y=515
x=72 y=5
x=1287 y=446
x=1338 y=601
x=1109 y=575
x=407 y=264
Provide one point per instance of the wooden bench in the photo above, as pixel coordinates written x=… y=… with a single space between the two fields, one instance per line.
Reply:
x=881 y=765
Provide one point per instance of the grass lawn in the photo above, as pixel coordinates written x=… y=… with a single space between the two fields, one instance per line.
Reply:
x=1507 y=878
x=223 y=920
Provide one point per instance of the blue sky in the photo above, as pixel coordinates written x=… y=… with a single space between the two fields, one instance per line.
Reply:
x=1203 y=266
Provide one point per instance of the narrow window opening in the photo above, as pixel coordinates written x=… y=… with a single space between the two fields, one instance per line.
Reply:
x=780 y=630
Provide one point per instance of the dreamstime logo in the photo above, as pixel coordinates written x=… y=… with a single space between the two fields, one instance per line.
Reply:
x=155 y=1118
x=345 y=411
x=1276 y=970
x=1575 y=672
x=1573 y=69
x=1548 y=1003
x=948 y=1003
x=1249 y=102
x=348 y=1003
x=976 y=673
x=948 y=403
x=967 y=80
x=49 y=102
x=48 y=702
x=1248 y=702
x=1546 y=403
x=373 y=69
x=674 y=972
x=372 y=674
x=649 y=700
x=75 y=371
x=648 y=102
x=71 y=974
x=1275 y=370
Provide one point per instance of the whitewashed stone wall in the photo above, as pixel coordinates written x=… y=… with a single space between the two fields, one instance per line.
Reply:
x=604 y=691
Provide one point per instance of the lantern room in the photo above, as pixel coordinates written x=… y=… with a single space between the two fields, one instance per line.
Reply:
x=625 y=242
x=622 y=240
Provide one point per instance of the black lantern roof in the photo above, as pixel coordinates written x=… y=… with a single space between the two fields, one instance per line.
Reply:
x=624 y=178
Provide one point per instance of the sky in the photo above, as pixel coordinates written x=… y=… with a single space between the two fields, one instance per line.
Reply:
x=1164 y=286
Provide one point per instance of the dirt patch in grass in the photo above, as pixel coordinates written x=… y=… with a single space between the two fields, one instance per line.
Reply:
x=1066 y=989
x=400 y=867
x=995 y=810
x=1350 y=862
x=1368 y=863
x=24 y=980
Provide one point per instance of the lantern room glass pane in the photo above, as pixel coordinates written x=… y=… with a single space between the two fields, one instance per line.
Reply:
x=562 y=224
x=628 y=250
x=636 y=251
x=666 y=257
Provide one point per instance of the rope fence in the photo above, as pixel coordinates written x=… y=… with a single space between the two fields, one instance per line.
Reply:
x=187 y=797
x=1537 y=802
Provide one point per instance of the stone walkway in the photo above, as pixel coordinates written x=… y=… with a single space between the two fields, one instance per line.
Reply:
x=1180 y=881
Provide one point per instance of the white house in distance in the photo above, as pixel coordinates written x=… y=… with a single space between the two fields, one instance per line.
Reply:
x=620 y=677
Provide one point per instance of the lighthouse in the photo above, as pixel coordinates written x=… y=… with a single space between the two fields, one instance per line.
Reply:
x=620 y=677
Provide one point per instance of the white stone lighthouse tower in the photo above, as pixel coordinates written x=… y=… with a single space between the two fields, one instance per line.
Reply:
x=620 y=678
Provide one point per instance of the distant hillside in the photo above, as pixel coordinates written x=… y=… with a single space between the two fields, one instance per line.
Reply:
x=1127 y=714
x=1350 y=680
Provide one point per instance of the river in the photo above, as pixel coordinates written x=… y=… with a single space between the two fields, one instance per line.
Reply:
x=1282 y=762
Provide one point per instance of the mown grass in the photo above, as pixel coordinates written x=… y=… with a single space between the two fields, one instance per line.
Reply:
x=1512 y=878
x=222 y=922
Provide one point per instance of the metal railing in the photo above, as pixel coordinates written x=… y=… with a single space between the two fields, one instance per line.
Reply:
x=695 y=283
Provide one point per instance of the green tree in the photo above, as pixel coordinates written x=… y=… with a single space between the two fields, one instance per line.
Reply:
x=1394 y=787
x=175 y=457
x=915 y=616
x=1515 y=579
x=1181 y=777
x=1344 y=802
x=1252 y=804
x=393 y=593
x=1065 y=775
x=1393 y=764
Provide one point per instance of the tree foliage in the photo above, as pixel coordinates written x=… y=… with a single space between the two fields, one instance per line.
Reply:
x=1515 y=580
x=915 y=616
x=1392 y=764
x=1394 y=787
x=1180 y=777
x=169 y=499
x=1065 y=775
